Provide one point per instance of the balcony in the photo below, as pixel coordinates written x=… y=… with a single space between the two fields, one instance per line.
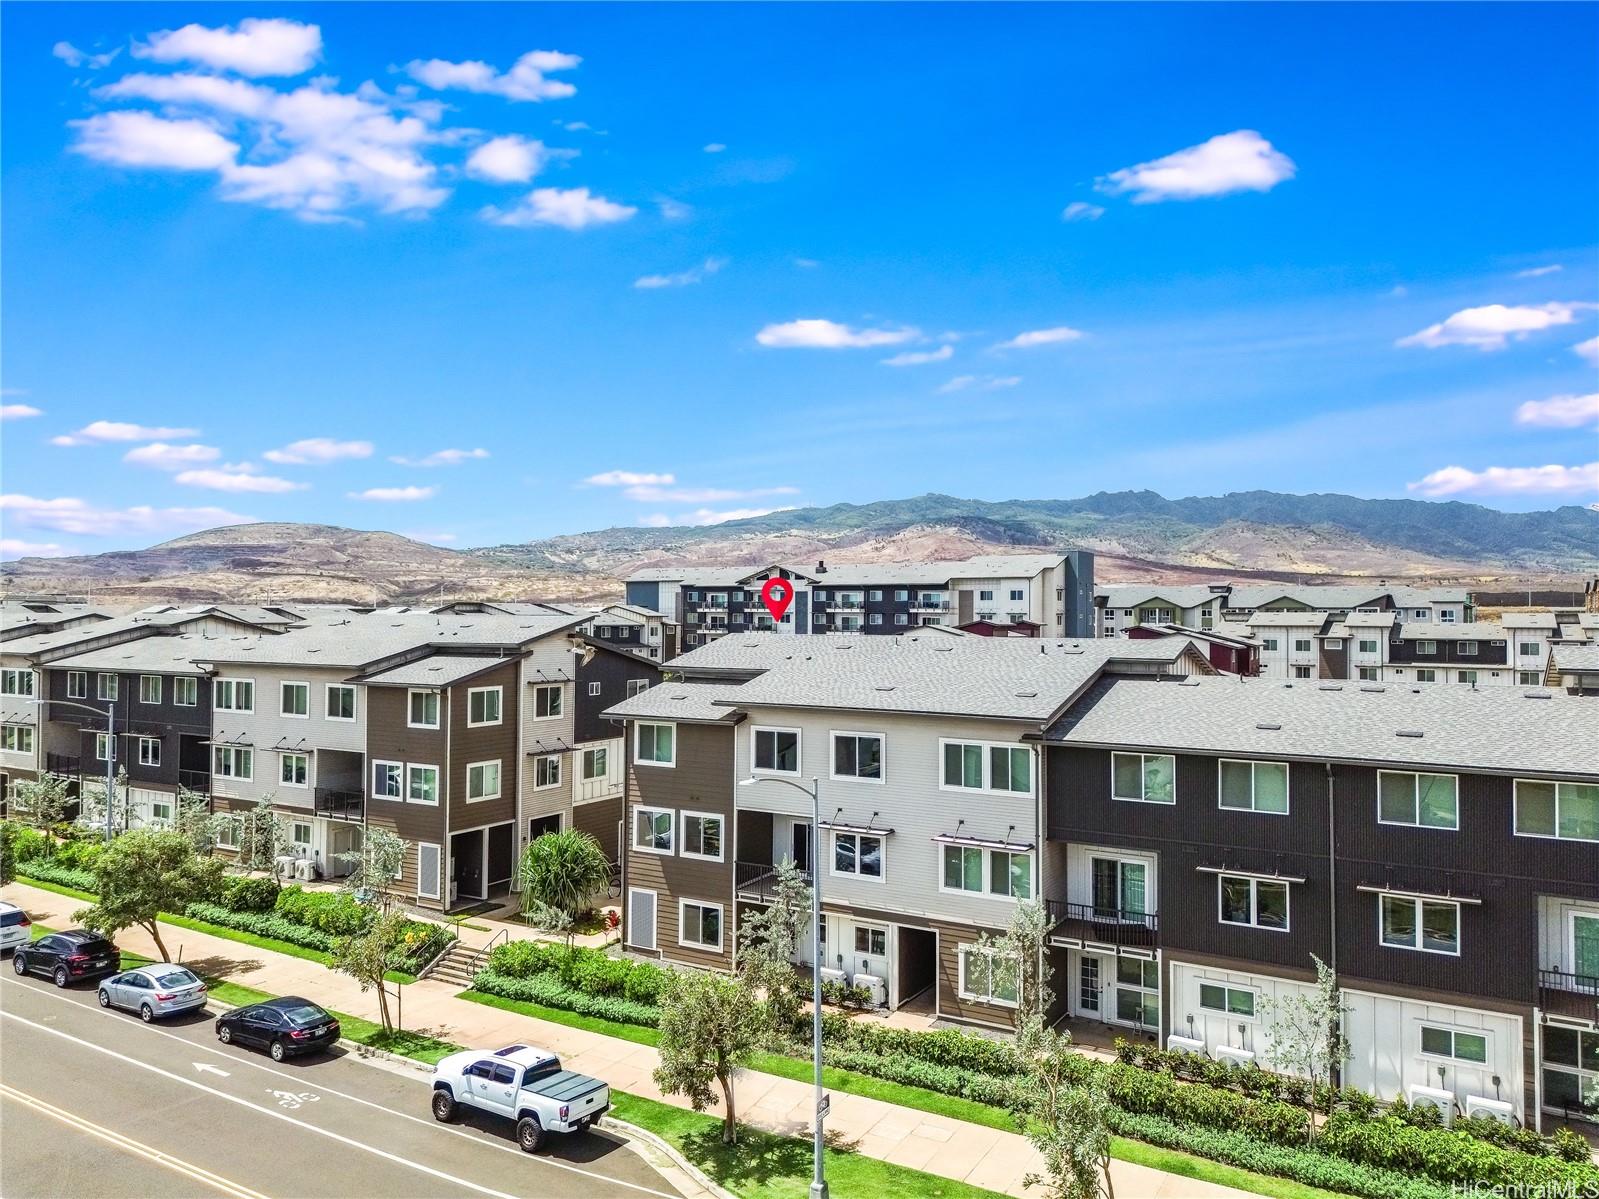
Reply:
x=339 y=805
x=844 y=605
x=930 y=605
x=198 y=781
x=63 y=764
x=1575 y=996
x=757 y=881
x=1120 y=928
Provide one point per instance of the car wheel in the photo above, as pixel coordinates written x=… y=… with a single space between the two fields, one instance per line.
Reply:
x=277 y=1051
x=225 y=1035
x=61 y=977
x=443 y=1106
x=529 y=1134
x=145 y=1013
x=594 y=1122
x=105 y=997
x=19 y=964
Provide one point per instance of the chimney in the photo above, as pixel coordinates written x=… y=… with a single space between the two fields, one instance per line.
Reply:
x=821 y=567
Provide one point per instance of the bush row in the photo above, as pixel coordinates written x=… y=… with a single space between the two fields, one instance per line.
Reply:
x=46 y=871
x=244 y=893
x=335 y=913
x=262 y=924
x=915 y=1072
x=1452 y=1156
x=588 y=972
x=941 y=1047
x=548 y=990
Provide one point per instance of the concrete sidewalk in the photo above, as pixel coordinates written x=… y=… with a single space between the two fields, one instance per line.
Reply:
x=972 y=1153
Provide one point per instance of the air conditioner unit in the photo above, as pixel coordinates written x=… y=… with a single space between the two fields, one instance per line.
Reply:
x=304 y=869
x=1233 y=1056
x=830 y=975
x=283 y=867
x=1443 y=1100
x=1185 y=1044
x=1494 y=1109
x=877 y=987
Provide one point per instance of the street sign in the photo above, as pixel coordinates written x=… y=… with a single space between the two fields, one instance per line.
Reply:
x=823 y=1105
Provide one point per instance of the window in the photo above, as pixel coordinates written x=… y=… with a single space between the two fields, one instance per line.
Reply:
x=423 y=709
x=296 y=700
x=482 y=706
x=1422 y=800
x=161 y=812
x=1257 y=902
x=341 y=702
x=227 y=834
x=1427 y=925
x=422 y=784
x=652 y=830
x=595 y=763
x=699 y=925
x=1254 y=786
x=547 y=702
x=107 y=686
x=1233 y=1001
x=482 y=781
x=17 y=738
x=234 y=762
x=1301 y=672
x=1571 y=1065
x=102 y=747
x=1367 y=646
x=233 y=695
x=1426 y=647
x=1016 y=594
x=874 y=595
x=1144 y=778
x=546 y=771
x=1455 y=1044
x=149 y=751
x=1335 y=643
x=1565 y=811
x=1529 y=678
x=637 y=687
x=149 y=688
x=1527 y=649
x=1269 y=644
x=1120 y=889
x=294 y=770
x=874 y=618
x=900 y=618
x=605 y=630
x=186 y=691
x=981 y=766
x=386 y=780
x=776 y=751
x=1466 y=676
x=1426 y=676
x=1367 y=674
x=300 y=833
x=1301 y=645
x=985 y=595
x=20 y=682
x=901 y=595
x=989 y=976
x=1468 y=649
x=655 y=744
x=1008 y=874
x=858 y=756
x=702 y=836
x=77 y=684
x=859 y=855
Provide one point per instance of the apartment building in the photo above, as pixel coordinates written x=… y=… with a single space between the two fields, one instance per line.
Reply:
x=1207 y=606
x=639 y=630
x=25 y=617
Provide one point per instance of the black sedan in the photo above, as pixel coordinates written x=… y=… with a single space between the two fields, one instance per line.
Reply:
x=68 y=957
x=283 y=1027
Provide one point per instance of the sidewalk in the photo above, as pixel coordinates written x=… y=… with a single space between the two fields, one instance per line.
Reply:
x=984 y=1157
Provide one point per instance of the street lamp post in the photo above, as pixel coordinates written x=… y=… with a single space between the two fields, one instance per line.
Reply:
x=110 y=714
x=818 y=1179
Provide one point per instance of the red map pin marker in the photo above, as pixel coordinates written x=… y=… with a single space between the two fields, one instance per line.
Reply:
x=777 y=595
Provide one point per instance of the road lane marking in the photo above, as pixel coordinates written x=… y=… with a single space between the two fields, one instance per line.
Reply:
x=129 y=1145
x=208 y=1068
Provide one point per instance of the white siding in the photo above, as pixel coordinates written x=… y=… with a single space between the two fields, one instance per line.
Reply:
x=1385 y=1049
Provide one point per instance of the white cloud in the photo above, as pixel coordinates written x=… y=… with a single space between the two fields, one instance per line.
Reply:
x=1560 y=412
x=162 y=456
x=830 y=335
x=1510 y=480
x=112 y=430
x=1227 y=163
x=715 y=148
x=442 y=458
x=568 y=208
x=12 y=547
x=1537 y=272
x=1588 y=349
x=524 y=81
x=256 y=47
x=137 y=139
x=1041 y=337
x=318 y=451
x=71 y=515
x=629 y=478
x=1079 y=210
x=19 y=411
x=74 y=57
x=1493 y=326
x=394 y=495
x=705 y=516
x=683 y=278
x=673 y=210
x=701 y=495
x=920 y=357
x=237 y=477
x=508 y=159
x=980 y=382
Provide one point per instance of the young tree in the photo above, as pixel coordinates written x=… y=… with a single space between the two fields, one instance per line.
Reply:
x=563 y=871
x=263 y=835
x=767 y=942
x=1022 y=951
x=711 y=1025
x=42 y=803
x=144 y=873
x=8 y=852
x=375 y=866
x=195 y=820
x=1063 y=1116
x=369 y=955
x=1305 y=1033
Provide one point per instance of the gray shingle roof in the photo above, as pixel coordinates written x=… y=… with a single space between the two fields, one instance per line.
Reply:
x=436 y=670
x=694 y=702
x=147 y=655
x=1287 y=620
x=1131 y=595
x=1528 y=620
x=1433 y=630
x=1583 y=657
x=138 y=623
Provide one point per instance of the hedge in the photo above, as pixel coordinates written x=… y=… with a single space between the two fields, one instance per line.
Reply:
x=335 y=913
x=262 y=924
x=549 y=991
x=242 y=893
x=1453 y=1156
x=47 y=871
x=589 y=972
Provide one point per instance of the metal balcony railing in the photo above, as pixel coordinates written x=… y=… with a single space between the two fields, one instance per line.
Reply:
x=1122 y=928
x=339 y=804
x=926 y=605
x=198 y=781
x=63 y=764
x=758 y=880
x=1561 y=993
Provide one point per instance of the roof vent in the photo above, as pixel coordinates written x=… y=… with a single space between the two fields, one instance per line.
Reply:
x=1538 y=695
x=1374 y=690
x=1269 y=726
x=1027 y=695
x=1409 y=733
x=1188 y=682
x=881 y=687
x=1330 y=687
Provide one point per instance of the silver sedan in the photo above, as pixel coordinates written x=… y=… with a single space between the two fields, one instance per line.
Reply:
x=159 y=989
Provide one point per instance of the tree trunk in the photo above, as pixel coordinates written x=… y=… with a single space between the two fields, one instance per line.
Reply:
x=729 y=1119
x=154 y=929
x=383 y=1006
x=1110 y=1190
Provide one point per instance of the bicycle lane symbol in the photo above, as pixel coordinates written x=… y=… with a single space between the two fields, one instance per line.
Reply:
x=293 y=1099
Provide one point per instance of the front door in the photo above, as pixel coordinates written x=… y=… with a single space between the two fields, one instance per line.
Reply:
x=1137 y=993
x=1088 y=985
x=466 y=863
x=801 y=849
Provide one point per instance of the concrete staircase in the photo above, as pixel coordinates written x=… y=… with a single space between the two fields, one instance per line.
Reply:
x=455 y=967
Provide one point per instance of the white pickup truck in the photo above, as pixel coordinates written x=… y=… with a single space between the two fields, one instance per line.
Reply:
x=522 y=1083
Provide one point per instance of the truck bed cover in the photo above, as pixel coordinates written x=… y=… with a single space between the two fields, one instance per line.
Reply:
x=565 y=1086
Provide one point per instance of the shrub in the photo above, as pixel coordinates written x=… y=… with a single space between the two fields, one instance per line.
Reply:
x=597 y=974
x=1450 y=1155
x=27 y=843
x=245 y=894
x=645 y=983
x=262 y=924
x=523 y=959
x=420 y=942
x=330 y=912
x=78 y=855
x=46 y=870
x=548 y=990
x=942 y=1047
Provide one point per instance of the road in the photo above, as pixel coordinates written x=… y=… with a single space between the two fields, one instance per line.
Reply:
x=96 y=1104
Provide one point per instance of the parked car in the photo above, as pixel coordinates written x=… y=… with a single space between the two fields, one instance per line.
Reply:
x=159 y=989
x=521 y=1083
x=15 y=927
x=283 y=1027
x=68 y=957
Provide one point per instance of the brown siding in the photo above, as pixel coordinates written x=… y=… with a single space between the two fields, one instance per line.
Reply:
x=494 y=742
x=389 y=740
x=950 y=1004
x=599 y=820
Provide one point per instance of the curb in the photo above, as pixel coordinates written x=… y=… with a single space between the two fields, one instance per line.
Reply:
x=645 y=1136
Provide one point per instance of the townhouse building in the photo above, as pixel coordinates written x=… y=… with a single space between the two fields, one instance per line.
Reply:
x=1207 y=606
x=25 y=617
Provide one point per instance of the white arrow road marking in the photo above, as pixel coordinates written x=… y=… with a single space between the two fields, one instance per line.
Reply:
x=208 y=1068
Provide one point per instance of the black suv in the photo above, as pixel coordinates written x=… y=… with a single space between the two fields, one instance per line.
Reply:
x=72 y=956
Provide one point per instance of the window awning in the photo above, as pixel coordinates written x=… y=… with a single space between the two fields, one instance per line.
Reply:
x=1404 y=892
x=559 y=745
x=1271 y=878
x=984 y=843
x=840 y=826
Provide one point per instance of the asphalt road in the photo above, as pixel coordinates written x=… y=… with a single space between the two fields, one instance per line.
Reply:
x=96 y=1104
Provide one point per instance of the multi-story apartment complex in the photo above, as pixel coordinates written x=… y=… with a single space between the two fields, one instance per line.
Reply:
x=1206 y=606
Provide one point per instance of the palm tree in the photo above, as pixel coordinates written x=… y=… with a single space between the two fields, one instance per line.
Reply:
x=562 y=872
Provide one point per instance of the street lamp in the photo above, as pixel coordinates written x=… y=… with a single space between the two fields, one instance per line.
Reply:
x=110 y=715
x=818 y=1181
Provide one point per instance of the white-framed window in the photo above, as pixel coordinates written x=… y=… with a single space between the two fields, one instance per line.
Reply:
x=294 y=770
x=482 y=781
x=387 y=781
x=1424 y=925
x=233 y=762
x=1426 y=647
x=340 y=701
x=1426 y=675
x=1563 y=811
x=637 y=687
x=483 y=706
x=594 y=689
x=774 y=750
x=654 y=744
x=1230 y=1001
x=1367 y=646
x=161 y=813
x=20 y=682
x=1468 y=649
x=869 y=940
x=1253 y=786
x=1466 y=676
x=874 y=618
x=227 y=834
x=422 y=709
x=1000 y=873
x=102 y=747
x=699 y=925
x=16 y=738
x=653 y=829
x=1143 y=778
x=901 y=594
x=1301 y=672
x=605 y=631
x=149 y=750
x=702 y=835
x=1527 y=649
x=150 y=689
x=596 y=763
x=233 y=695
x=1335 y=643
x=858 y=855
x=1256 y=902
x=1528 y=678
x=421 y=784
x=989 y=976
x=1454 y=1044
x=901 y=618
x=986 y=766
x=1419 y=800
x=186 y=691
x=77 y=684
x=295 y=702
x=300 y=834
x=429 y=868
x=546 y=772
x=858 y=756
x=108 y=685
x=547 y=701
x=1301 y=645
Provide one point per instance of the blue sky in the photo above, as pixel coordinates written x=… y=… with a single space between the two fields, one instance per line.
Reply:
x=481 y=273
